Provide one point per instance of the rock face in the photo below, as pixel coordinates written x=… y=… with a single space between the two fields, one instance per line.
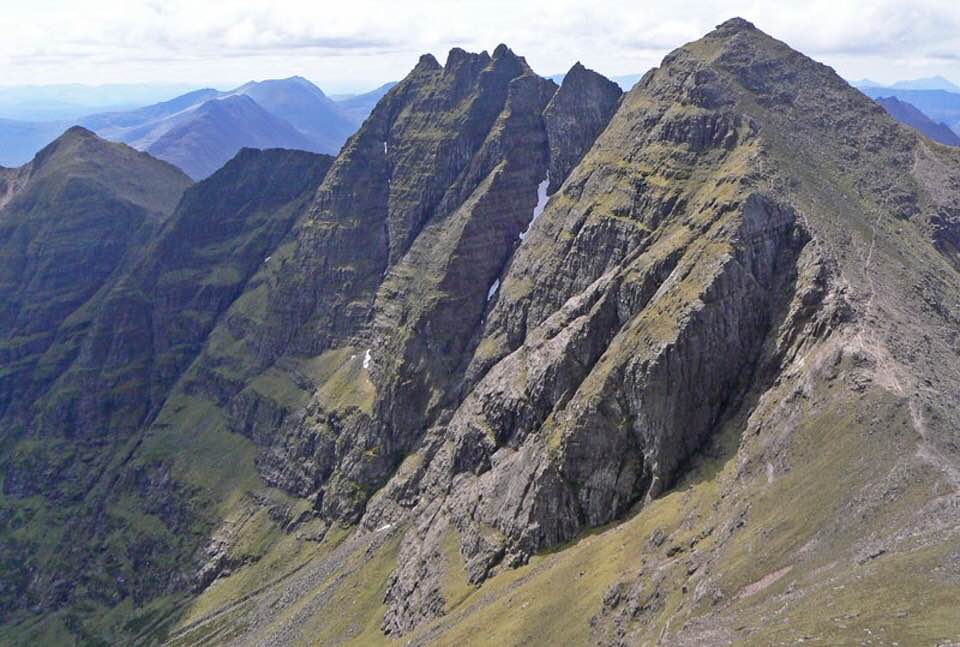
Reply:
x=436 y=224
x=522 y=349
x=577 y=113
x=151 y=325
x=609 y=357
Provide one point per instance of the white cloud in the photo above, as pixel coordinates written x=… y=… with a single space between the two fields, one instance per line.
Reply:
x=362 y=42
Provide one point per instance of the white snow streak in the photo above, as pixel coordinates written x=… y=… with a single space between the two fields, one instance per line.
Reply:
x=493 y=289
x=367 y=358
x=541 y=204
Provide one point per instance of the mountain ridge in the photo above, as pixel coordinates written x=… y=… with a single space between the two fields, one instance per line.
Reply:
x=516 y=367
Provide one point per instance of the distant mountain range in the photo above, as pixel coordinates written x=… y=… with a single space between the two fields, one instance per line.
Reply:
x=927 y=83
x=202 y=129
x=909 y=115
x=358 y=106
x=939 y=105
x=931 y=105
x=74 y=100
x=930 y=83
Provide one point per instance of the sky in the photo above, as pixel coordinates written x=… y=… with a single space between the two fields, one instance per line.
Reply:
x=355 y=45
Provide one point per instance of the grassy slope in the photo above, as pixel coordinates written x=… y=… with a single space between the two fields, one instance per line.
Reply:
x=787 y=572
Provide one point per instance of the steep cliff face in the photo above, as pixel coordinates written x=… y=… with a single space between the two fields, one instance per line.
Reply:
x=148 y=327
x=576 y=115
x=386 y=278
x=11 y=181
x=627 y=324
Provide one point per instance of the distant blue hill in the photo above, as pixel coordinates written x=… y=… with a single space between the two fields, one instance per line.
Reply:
x=929 y=83
x=939 y=105
x=66 y=102
x=359 y=106
x=202 y=129
x=909 y=115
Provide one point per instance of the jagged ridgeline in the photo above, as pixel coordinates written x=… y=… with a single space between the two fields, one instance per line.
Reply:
x=522 y=365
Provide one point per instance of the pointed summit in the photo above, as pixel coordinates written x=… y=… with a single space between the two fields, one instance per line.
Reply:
x=427 y=62
x=458 y=58
x=735 y=25
x=576 y=114
x=502 y=50
x=78 y=132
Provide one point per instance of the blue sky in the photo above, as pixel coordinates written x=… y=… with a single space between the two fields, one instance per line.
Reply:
x=357 y=44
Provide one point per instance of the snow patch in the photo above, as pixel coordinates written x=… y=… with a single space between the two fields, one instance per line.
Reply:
x=384 y=147
x=367 y=358
x=493 y=289
x=267 y=259
x=541 y=204
x=386 y=526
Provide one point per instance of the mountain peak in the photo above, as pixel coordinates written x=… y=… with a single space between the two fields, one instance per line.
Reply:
x=78 y=132
x=459 y=57
x=735 y=25
x=427 y=62
x=502 y=50
x=75 y=139
x=575 y=116
x=580 y=71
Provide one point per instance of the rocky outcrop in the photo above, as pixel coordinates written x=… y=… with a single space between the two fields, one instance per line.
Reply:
x=11 y=181
x=575 y=116
x=438 y=225
x=605 y=400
